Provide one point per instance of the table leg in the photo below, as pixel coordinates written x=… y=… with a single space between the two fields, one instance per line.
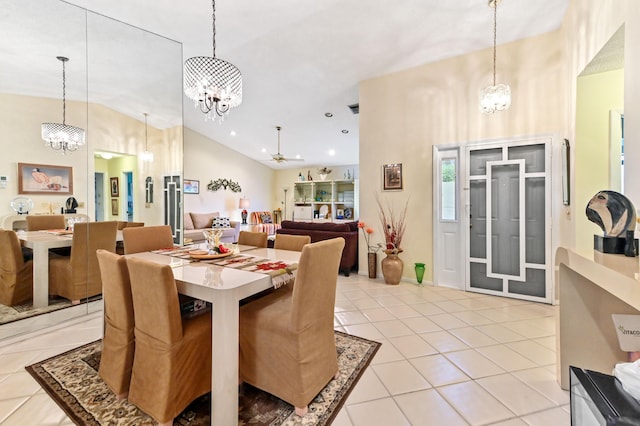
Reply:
x=224 y=359
x=40 y=276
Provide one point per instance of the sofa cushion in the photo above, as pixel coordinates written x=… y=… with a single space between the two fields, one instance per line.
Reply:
x=188 y=223
x=203 y=220
x=221 y=222
x=265 y=218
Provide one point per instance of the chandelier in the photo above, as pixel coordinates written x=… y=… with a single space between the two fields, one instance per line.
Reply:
x=214 y=85
x=60 y=136
x=497 y=97
x=146 y=156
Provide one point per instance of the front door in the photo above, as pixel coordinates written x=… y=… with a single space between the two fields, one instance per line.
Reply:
x=508 y=239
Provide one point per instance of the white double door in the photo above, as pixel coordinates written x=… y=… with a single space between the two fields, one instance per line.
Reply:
x=492 y=218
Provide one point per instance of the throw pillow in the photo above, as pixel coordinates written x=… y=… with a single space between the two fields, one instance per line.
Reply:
x=221 y=222
x=188 y=223
x=265 y=218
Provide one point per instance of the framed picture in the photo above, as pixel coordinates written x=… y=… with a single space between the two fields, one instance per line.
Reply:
x=115 y=187
x=392 y=175
x=114 y=206
x=43 y=179
x=191 y=186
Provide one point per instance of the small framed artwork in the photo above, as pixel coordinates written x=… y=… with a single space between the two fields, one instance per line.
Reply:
x=114 y=207
x=115 y=187
x=191 y=186
x=392 y=176
x=42 y=179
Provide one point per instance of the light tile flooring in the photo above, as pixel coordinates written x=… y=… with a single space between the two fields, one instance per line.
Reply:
x=447 y=358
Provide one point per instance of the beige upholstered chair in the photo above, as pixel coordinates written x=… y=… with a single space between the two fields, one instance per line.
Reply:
x=287 y=343
x=45 y=221
x=16 y=275
x=172 y=362
x=122 y=224
x=256 y=239
x=77 y=276
x=145 y=238
x=291 y=242
x=118 y=344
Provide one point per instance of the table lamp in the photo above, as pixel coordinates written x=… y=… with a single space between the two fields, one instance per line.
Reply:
x=244 y=205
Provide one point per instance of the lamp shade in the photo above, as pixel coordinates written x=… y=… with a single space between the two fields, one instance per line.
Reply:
x=243 y=203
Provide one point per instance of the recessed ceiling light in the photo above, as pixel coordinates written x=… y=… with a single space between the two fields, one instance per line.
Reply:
x=328 y=114
x=232 y=133
x=264 y=149
x=298 y=157
x=345 y=131
x=332 y=152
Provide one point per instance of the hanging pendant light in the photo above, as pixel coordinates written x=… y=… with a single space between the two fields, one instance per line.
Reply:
x=214 y=85
x=62 y=137
x=146 y=156
x=497 y=97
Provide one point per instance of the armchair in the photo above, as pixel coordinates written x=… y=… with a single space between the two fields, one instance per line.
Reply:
x=263 y=222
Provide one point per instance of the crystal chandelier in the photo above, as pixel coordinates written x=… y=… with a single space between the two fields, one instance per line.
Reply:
x=214 y=85
x=59 y=136
x=497 y=97
x=146 y=156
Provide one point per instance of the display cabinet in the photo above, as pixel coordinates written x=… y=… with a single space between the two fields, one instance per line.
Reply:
x=326 y=200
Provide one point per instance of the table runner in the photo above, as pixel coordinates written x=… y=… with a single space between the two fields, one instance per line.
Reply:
x=281 y=272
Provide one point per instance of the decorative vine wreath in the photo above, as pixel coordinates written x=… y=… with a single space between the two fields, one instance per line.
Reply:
x=217 y=184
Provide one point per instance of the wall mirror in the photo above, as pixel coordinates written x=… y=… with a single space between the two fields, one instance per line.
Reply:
x=114 y=75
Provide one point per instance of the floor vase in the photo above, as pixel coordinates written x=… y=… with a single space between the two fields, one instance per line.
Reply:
x=373 y=264
x=392 y=267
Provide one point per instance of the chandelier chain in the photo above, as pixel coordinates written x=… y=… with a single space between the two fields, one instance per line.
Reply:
x=213 y=20
x=495 y=32
x=64 y=93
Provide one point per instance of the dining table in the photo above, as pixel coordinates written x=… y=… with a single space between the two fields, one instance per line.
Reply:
x=224 y=287
x=40 y=242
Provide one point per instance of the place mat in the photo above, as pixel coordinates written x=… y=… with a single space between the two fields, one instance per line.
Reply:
x=71 y=379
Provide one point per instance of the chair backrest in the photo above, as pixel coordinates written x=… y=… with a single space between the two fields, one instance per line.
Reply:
x=155 y=300
x=13 y=270
x=88 y=237
x=116 y=290
x=291 y=242
x=314 y=293
x=122 y=224
x=256 y=239
x=146 y=238
x=45 y=221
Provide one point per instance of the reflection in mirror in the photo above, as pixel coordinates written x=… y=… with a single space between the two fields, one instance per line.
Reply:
x=116 y=73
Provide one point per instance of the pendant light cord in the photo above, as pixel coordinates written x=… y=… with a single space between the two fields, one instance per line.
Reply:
x=64 y=94
x=145 y=133
x=213 y=20
x=495 y=31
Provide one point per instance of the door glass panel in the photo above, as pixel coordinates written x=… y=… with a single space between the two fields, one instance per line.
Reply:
x=448 y=184
x=478 y=160
x=535 y=224
x=505 y=219
x=533 y=286
x=478 y=278
x=532 y=154
x=478 y=219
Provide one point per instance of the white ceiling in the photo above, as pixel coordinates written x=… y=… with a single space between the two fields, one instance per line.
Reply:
x=303 y=58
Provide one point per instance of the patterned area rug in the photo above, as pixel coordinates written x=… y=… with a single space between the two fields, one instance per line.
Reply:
x=72 y=380
x=14 y=313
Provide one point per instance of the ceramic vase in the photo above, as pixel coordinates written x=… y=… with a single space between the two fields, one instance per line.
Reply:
x=392 y=267
x=373 y=264
x=419 y=268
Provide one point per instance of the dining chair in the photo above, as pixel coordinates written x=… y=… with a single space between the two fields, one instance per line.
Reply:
x=77 y=276
x=45 y=221
x=16 y=275
x=256 y=239
x=146 y=238
x=172 y=361
x=118 y=343
x=124 y=224
x=291 y=242
x=287 y=342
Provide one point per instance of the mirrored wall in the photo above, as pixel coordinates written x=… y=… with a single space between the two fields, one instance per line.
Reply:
x=115 y=75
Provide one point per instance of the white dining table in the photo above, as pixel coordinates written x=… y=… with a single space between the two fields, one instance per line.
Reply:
x=224 y=288
x=40 y=242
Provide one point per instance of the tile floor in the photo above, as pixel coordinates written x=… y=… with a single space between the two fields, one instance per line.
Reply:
x=447 y=358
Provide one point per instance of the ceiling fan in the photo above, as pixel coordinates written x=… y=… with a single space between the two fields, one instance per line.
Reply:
x=279 y=158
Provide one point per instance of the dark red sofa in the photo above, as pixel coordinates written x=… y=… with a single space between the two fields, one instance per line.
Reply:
x=319 y=231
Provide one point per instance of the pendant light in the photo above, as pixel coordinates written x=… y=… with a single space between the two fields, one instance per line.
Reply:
x=498 y=96
x=146 y=156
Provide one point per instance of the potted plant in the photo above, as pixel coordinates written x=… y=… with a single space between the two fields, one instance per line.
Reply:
x=393 y=227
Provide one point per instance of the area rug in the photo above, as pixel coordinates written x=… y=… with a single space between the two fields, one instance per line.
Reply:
x=14 y=313
x=72 y=380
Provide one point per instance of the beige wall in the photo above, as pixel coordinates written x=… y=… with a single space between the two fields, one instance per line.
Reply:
x=403 y=115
